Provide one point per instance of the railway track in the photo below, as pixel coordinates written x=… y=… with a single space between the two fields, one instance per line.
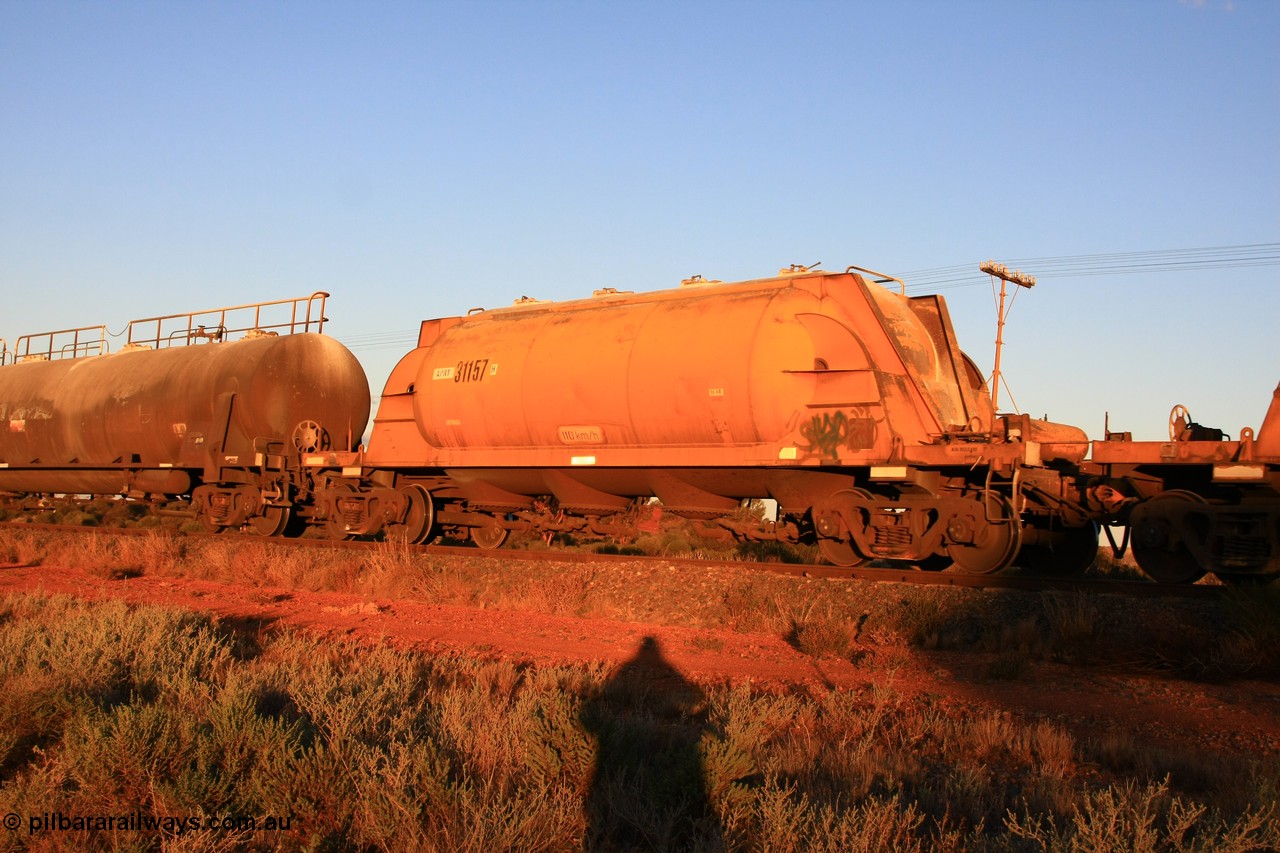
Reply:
x=958 y=580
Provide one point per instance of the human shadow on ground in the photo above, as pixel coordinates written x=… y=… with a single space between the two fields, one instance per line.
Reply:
x=648 y=790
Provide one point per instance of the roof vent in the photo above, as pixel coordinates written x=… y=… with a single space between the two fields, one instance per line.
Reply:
x=799 y=269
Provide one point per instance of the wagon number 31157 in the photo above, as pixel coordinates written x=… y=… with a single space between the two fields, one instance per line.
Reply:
x=471 y=371
x=466 y=371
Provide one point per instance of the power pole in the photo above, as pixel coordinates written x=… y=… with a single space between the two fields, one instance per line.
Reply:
x=1021 y=279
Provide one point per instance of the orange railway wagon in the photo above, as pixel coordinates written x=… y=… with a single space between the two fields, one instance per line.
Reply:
x=849 y=404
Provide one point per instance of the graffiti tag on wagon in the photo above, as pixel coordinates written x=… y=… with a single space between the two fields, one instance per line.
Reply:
x=830 y=431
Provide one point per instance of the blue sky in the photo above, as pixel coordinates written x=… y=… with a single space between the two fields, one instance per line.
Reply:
x=419 y=159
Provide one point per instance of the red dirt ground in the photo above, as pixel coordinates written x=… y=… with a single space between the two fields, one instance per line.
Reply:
x=1238 y=717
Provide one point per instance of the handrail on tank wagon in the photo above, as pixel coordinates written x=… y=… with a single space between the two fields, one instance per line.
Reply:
x=86 y=340
x=214 y=324
x=884 y=278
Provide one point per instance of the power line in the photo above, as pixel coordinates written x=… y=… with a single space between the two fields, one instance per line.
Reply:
x=1112 y=263
x=380 y=340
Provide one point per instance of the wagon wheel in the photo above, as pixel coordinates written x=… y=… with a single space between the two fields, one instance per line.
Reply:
x=490 y=536
x=1157 y=546
x=272 y=522
x=995 y=543
x=295 y=526
x=310 y=437
x=938 y=561
x=419 y=518
x=1068 y=558
x=935 y=563
x=841 y=552
x=1179 y=419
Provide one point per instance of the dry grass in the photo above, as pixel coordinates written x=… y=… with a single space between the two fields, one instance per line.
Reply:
x=103 y=707
x=21 y=547
x=110 y=709
x=1238 y=636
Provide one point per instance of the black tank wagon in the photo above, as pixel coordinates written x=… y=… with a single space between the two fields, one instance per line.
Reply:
x=218 y=405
